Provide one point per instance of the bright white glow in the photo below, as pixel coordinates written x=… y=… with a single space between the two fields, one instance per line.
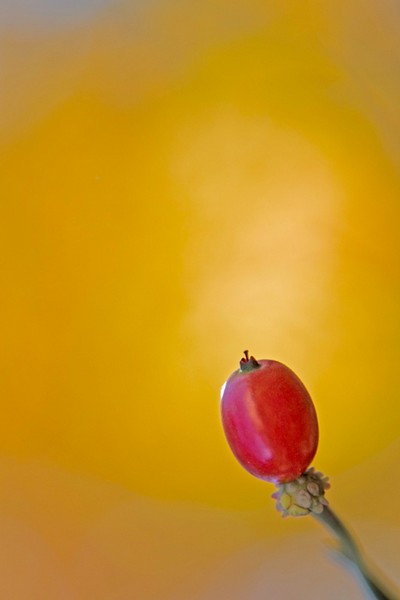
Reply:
x=223 y=390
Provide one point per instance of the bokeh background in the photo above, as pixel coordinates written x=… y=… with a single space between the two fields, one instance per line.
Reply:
x=180 y=181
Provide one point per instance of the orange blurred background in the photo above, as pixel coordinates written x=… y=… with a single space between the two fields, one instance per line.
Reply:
x=181 y=181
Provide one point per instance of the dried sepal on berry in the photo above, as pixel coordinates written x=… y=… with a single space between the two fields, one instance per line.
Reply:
x=303 y=496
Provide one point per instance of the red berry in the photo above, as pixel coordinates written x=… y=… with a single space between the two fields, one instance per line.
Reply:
x=269 y=420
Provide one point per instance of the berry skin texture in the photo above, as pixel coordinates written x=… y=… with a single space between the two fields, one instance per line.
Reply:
x=269 y=420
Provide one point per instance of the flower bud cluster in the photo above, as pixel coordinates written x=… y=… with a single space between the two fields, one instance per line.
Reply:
x=303 y=496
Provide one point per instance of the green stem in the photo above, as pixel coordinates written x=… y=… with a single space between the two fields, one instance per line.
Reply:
x=350 y=551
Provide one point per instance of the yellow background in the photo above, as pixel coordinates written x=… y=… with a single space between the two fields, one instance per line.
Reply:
x=181 y=181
